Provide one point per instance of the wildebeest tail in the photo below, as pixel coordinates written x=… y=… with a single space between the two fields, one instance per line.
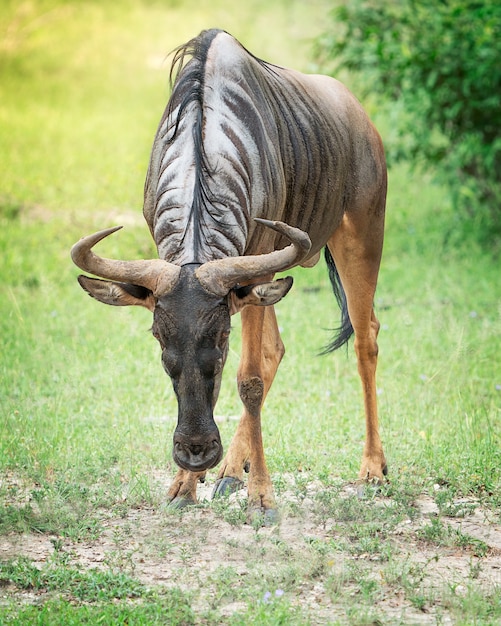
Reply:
x=345 y=329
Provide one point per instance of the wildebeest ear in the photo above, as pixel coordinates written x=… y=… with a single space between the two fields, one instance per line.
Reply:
x=262 y=294
x=117 y=294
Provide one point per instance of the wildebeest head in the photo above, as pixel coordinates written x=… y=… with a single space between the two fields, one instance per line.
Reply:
x=191 y=308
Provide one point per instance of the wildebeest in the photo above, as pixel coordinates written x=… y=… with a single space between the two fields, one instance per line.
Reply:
x=254 y=169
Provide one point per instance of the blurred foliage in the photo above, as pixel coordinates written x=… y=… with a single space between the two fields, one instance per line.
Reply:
x=83 y=84
x=439 y=65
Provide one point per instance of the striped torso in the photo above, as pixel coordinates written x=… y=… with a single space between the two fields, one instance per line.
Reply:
x=243 y=139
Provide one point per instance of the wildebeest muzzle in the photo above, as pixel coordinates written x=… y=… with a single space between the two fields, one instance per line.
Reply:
x=197 y=453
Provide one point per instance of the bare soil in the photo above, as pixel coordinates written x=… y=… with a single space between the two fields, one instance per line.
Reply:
x=193 y=549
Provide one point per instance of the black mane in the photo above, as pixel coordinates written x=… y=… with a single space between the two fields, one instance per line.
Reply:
x=188 y=80
x=208 y=212
x=190 y=76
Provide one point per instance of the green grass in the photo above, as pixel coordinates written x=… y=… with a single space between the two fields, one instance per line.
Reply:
x=87 y=414
x=90 y=597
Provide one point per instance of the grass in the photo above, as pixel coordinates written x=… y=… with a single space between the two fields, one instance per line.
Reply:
x=90 y=597
x=86 y=413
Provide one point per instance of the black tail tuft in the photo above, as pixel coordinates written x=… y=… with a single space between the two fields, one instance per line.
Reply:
x=345 y=330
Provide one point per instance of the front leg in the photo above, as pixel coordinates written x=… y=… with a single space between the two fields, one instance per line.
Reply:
x=183 y=490
x=262 y=351
x=246 y=452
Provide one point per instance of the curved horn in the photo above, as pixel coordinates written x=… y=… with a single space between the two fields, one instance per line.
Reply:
x=220 y=276
x=156 y=275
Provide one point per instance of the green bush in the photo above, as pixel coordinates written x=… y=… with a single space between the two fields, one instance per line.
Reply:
x=438 y=62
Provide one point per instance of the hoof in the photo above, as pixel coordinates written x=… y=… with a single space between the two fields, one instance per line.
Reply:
x=226 y=486
x=368 y=488
x=366 y=485
x=181 y=502
x=360 y=487
x=259 y=517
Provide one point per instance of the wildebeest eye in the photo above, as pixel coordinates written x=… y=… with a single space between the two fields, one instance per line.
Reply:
x=218 y=366
x=159 y=339
x=211 y=361
x=162 y=340
x=170 y=360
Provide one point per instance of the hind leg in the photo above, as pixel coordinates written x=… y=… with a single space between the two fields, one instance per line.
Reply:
x=356 y=248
